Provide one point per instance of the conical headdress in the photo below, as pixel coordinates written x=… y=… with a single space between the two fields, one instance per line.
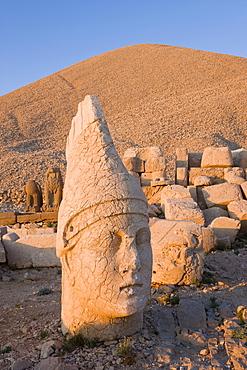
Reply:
x=97 y=184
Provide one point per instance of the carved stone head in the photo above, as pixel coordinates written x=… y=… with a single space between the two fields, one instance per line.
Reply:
x=103 y=234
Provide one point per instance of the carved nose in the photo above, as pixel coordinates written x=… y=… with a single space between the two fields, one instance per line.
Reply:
x=130 y=259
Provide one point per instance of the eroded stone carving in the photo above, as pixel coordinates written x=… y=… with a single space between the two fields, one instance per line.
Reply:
x=33 y=196
x=103 y=237
x=53 y=188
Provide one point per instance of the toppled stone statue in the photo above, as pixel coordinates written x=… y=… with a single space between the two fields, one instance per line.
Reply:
x=103 y=237
x=33 y=196
x=53 y=188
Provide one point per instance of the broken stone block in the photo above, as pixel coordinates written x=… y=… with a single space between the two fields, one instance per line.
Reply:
x=158 y=175
x=134 y=164
x=209 y=240
x=37 y=250
x=217 y=157
x=181 y=176
x=238 y=171
x=211 y=213
x=216 y=174
x=155 y=164
x=7 y=218
x=178 y=256
x=150 y=152
x=182 y=158
x=195 y=159
x=221 y=195
x=244 y=188
x=225 y=227
x=238 y=211
x=239 y=157
x=182 y=209
x=174 y=191
x=203 y=181
x=193 y=192
x=191 y=314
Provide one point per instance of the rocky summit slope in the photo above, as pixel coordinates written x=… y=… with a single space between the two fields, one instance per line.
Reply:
x=151 y=95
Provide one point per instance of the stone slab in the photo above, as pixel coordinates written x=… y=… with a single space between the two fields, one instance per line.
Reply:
x=217 y=157
x=37 y=217
x=211 y=213
x=37 y=250
x=216 y=174
x=7 y=218
x=238 y=211
x=182 y=176
x=182 y=209
x=191 y=314
x=221 y=195
x=225 y=227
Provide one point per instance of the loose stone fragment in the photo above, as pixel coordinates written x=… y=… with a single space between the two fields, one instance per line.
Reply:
x=225 y=227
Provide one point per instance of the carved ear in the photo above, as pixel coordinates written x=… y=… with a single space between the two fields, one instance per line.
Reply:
x=67 y=270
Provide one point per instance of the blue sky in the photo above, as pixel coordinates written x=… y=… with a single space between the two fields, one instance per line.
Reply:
x=41 y=37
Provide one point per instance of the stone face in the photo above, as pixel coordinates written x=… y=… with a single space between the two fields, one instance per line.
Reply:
x=37 y=250
x=221 y=195
x=217 y=157
x=211 y=213
x=183 y=209
x=216 y=174
x=103 y=236
x=225 y=227
x=53 y=188
x=33 y=195
x=178 y=254
x=238 y=211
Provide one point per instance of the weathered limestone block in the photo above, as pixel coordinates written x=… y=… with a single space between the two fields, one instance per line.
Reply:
x=239 y=157
x=238 y=211
x=244 y=188
x=217 y=157
x=37 y=217
x=203 y=181
x=182 y=158
x=7 y=218
x=211 y=213
x=234 y=179
x=158 y=175
x=174 y=191
x=37 y=250
x=33 y=195
x=103 y=236
x=193 y=192
x=209 y=240
x=134 y=164
x=178 y=255
x=182 y=209
x=216 y=174
x=22 y=232
x=181 y=176
x=155 y=164
x=234 y=175
x=224 y=227
x=53 y=188
x=195 y=159
x=221 y=195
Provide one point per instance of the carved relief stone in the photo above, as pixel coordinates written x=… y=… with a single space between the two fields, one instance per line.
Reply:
x=103 y=237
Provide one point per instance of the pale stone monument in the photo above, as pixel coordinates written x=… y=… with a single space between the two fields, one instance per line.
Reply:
x=103 y=237
x=53 y=187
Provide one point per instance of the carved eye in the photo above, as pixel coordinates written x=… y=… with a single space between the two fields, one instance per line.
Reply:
x=143 y=237
x=71 y=229
x=116 y=241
